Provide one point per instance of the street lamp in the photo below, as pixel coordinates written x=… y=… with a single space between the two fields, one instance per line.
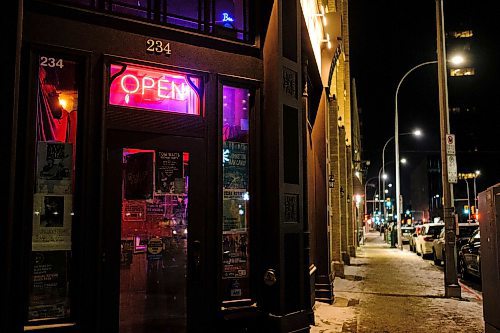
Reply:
x=477 y=173
x=456 y=60
x=417 y=132
x=366 y=198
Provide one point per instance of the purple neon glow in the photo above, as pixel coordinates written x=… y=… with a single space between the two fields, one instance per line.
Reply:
x=154 y=89
x=235 y=114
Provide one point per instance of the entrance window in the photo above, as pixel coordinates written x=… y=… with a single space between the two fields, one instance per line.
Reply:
x=141 y=87
x=154 y=236
x=57 y=95
x=236 y=194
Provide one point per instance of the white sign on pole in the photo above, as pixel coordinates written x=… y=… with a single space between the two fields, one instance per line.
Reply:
x=450 y=144
x=452 y=169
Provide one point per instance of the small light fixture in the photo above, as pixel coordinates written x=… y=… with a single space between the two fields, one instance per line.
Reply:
x=331 y=181
x=327 y=41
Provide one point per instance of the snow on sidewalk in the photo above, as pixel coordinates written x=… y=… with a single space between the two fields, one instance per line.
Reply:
x=387 y=290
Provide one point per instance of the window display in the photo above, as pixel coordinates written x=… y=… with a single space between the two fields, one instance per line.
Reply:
x=57 y=95
x=236 y=196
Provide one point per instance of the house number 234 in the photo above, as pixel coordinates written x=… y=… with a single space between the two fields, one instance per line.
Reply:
x=158 y=47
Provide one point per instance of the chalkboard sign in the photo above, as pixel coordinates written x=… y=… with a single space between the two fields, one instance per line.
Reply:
x=168 y=168
x=139 y=176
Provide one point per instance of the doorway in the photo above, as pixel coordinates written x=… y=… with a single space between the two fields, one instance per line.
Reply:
x=153 y=231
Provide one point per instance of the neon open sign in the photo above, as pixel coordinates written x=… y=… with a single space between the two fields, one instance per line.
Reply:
x=154 y=89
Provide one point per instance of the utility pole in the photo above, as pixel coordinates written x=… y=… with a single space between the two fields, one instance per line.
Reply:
x=451 y=286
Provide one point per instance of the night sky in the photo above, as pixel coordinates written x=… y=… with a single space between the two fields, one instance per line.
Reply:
x=388 y=38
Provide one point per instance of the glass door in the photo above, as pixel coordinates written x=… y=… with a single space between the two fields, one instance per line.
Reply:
x=159 y=248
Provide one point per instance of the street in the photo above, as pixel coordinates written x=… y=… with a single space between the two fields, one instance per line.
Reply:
x=391 y=291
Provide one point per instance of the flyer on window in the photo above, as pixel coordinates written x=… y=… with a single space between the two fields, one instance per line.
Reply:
x=52 y=217
x=54 y=167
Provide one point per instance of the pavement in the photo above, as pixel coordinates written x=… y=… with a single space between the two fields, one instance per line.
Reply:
x=386 y=290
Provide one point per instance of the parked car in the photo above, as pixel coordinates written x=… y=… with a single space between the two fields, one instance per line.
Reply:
x=428 y=234
x=406 y=232
x=469 y=257
x=465 y=231
x=413 y=239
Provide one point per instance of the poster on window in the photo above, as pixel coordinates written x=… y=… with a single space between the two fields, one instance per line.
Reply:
x=52 y=222
x=235 y=165
x=134 y=211
x=234 y=210
x=235 y=274
x=54 y=167
x=235 y=255
x=139 y=176
x=49 y=296
x=168 y=169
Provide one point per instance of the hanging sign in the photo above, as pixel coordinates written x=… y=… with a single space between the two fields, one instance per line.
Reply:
x=154 y=89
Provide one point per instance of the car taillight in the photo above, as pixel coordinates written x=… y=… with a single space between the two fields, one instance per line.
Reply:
x=428 y=239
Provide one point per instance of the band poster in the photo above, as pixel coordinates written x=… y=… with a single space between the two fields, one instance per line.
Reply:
x=235 y=265
x=169 y=172
x=52 y=222
x=235 y=165
x=49 y=296
x=234 y=210
x=54 y=167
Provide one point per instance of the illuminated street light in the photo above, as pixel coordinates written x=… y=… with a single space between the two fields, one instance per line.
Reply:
x=457 y=59
x=396 y=141
x=403 y=160
x=417 y=132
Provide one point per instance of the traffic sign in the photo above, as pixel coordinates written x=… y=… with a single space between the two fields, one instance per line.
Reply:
x=452 y=169
x=450 y=144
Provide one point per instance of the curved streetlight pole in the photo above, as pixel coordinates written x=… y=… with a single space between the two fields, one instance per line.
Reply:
x=396 y=148
x=416 y=133
x=366 y=199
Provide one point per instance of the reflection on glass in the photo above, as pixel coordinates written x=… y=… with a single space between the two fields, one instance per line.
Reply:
x=154 y=230
x=235 y=156
x=56 y=118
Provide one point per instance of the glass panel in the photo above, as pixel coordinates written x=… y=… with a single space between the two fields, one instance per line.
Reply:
x=235 y=238
x=184 y=13
x=154 y=229
x=154 y=89
x=56 y=125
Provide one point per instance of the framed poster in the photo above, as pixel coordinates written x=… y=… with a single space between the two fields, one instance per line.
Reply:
x=52 y=222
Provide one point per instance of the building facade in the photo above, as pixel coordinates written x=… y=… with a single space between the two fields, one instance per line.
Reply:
x=160 y=162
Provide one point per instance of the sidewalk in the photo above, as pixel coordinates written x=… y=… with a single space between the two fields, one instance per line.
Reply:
x=387 y=290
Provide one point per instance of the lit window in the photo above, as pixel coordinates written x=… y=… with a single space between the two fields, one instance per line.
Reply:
x=467 y=71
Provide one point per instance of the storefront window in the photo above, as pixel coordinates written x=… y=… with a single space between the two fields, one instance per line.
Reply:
x=154 y=89
x=236 y=196
x=56 y=125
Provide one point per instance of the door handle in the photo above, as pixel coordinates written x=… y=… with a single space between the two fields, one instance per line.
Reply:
x=196 y=260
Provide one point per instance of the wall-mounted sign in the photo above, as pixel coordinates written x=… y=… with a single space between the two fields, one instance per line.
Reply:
x=154 y=89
